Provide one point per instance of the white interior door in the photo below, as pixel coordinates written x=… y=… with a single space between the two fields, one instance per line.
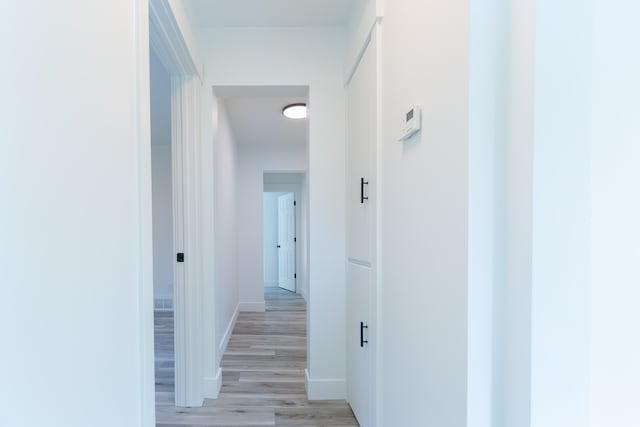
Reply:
x=287 y=242
x=361 y=114
x=361 y=236
x=359 y=378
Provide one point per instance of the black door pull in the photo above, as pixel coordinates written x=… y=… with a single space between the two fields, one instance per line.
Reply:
x=362 y=184
x=278 y=246
x=362 y=340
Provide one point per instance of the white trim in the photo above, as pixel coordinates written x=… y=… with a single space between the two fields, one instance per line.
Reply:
x=213 y=385
x=207 y=234
x=325 y=389
x=363 y=49
x=377 y=415
x=145 y=237
x=167 y=40
x=224 y=342
x=186 y=142
x=179 y=270
x=254 y=307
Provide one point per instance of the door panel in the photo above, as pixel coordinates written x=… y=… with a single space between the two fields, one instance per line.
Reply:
x=286 y=242
x=361 y=235
x=359 y=374
x=361 y=137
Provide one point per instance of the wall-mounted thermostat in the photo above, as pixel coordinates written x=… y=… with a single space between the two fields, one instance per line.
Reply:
x=412 y=123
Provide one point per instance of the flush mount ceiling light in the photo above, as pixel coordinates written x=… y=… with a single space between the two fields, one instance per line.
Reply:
x=295 y=111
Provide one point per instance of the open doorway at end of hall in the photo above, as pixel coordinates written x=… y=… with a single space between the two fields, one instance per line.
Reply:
x=280 y=240
x=284 y=232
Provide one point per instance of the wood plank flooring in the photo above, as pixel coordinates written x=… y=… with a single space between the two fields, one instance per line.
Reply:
x=263 y=374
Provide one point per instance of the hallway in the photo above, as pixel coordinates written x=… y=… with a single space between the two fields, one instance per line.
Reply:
x=263 y=374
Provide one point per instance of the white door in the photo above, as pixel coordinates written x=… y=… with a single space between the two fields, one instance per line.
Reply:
x=287 y=242
x=361 y=236
x=361 y=133
x=360 y=375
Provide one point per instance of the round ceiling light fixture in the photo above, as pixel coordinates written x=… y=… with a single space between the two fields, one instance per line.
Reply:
x=295 y=111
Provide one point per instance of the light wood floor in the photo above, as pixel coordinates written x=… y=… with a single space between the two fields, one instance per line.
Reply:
x=263 y=374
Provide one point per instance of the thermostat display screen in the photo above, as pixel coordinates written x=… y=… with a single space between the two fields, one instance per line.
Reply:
x=410 y=115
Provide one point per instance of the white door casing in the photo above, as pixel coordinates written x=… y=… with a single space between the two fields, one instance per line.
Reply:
x=166 y=39
x=286 y=242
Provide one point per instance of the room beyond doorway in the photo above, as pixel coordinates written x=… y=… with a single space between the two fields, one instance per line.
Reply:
x=162 y=178
x=285 y=231
x=279 y=240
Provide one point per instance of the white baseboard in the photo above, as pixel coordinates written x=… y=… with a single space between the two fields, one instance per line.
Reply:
x=303 y=293
x=271 y=284
x=325 y=389
x=257 y=307
x=212 y=386
x=227 y=334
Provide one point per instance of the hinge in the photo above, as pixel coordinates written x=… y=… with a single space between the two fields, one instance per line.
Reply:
x=294 y=203
x=295 y=276
x=180 y=257
x=295 y=240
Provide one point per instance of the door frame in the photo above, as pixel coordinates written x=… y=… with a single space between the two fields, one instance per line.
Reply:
x=156 y=26
x=302 y=234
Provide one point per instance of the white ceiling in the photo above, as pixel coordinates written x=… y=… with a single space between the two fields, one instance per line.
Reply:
x=259 y=120
x=272 y=13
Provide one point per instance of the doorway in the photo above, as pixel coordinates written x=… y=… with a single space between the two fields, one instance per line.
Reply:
x=285 y=232
x=280 y=240
x=162 y=228
x=175 y=258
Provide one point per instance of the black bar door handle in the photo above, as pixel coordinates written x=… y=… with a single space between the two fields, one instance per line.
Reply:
x=362 y=340
x=362 y=184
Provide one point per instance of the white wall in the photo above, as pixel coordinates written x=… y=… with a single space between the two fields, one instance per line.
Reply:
x=160 y=92
x=512 y=298
x=162 y=183
x=424 y=214
x=70 y=255
x=270 y=246
x=560 y=296
x=615 y=221
x=163 y=256
x=539 y=261
x=571 y=234
x=487 y=140
x=315 y=58
x=225 y=217
x=253 y=161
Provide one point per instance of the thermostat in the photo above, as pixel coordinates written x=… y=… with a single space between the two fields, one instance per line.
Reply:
x=412 y=122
